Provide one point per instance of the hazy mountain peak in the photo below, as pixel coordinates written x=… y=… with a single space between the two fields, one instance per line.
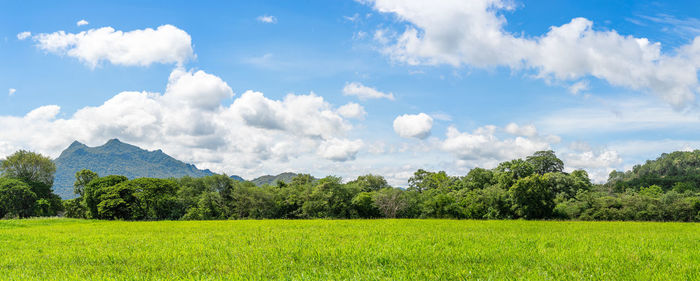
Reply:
x=117 y=158
x=76 y=144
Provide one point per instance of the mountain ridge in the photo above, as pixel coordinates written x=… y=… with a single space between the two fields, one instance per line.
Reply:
x=117 y=158
x=285 y=177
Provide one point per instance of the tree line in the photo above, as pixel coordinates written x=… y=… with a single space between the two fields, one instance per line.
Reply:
x=532 y=188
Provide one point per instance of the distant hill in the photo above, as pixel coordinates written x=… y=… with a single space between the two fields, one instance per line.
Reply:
x=237 y=178
x=666 y=171
x=272 y=180
x=117 y=158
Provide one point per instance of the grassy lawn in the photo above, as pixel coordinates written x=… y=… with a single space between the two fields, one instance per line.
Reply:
x=65 y=249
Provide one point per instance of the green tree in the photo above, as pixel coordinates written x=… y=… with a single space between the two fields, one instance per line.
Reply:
x=439 y=204
x=507 y=173
x=545 y=161
x=74 y=208
x=363 y=203
x=302 y=179
x=82 y=178
x=250 y=201
x=37 y=171
x=329 y=198
x=370 y=182
x=568 y=185
x=93 y=191
x=477 y=178
x=532 y=198
x=208 y=207
x=117 y=202
x=423 y=180
x=653 y=191
x=157 y=198
x=16 y=199
x=29 y=167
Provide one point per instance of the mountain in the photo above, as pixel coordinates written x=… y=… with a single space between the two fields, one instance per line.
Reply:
x=272 y=180
x=237 y=178
x=117 y=158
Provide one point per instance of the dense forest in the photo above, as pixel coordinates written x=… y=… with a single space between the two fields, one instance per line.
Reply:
x=666 y=189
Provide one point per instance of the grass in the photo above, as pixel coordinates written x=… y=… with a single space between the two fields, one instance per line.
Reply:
x=66 y=249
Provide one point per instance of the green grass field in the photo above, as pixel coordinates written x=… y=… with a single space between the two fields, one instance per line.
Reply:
x=64 y=249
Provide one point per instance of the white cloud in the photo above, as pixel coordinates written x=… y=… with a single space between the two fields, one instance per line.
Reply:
x=267 y=19
x=363 y=92
x=167 y=44
x=484 y=148
x=527 y=130
x=617 y=116
x=352 y=110
x=472 y=33
x=189 y=121
x=413 y=125
x=11 y=91
x=303 y=115
x=24 y=35
x=353 y=18
x=441 y=116
x=579 y=87
x=196 y=89
x=340 y=149
x=597 y=162
x=82 y=22
x=591 y=159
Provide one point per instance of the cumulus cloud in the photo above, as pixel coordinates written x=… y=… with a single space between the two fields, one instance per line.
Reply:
x=190 y=122
x=166 y=44
x=413 y=125
x=515 y=129
x=24 y=35
x=591 y=159
x=82 y=22
x=340 y=149
x=304 y=115
x=484 y=148
x=352 y=110
x=363 y=92
x=11 y=91
x=473 y=33
x=597 y=162
x=267 y=19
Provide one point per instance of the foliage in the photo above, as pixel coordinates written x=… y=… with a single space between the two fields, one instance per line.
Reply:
x=28 y=166
x=423 y=180
x=36 y=171
x=534 y=188
x=545 y=162
x=93 y=191
x=370 y=182
x=532 y=197
x=666 y=171
x=16 y=199
x=82 y=178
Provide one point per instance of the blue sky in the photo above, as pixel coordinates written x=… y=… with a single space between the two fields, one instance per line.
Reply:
x=473 y=83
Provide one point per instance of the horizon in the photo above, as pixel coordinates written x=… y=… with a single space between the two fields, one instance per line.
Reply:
x=291 y=171
x=355 y=87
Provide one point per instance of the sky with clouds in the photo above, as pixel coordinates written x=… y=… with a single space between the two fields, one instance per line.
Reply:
x=354 y=87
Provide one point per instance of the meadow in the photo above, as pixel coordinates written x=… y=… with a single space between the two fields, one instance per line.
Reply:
x=70 y=249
